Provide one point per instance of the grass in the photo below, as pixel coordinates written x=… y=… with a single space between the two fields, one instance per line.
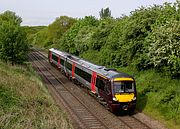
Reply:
x=25 y=102
x=158 y=96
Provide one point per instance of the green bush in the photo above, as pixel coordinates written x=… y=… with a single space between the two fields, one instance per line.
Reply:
x=13 y=43
x=164 y=48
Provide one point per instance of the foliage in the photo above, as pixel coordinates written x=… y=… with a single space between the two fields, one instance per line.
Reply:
x=11 y=17
x=164 y=48
x=105 y=13
x=31 y=31
x=40 y=38
x=83 y=39
x=52 y=33
x=59 y=27
x=13 y=45
x=67 y=42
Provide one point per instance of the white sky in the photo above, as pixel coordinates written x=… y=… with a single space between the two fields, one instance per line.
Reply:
x=44 y=12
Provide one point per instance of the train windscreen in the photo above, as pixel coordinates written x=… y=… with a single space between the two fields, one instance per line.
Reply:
x=124 y=86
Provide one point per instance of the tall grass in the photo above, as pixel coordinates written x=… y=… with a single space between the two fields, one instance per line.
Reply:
x=25 y=102
x=158 y=96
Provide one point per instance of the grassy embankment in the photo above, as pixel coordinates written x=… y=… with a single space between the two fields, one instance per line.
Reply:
x=25 y=102
x=158 y=96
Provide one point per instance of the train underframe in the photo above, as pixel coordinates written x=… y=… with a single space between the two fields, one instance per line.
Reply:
x=116 y=107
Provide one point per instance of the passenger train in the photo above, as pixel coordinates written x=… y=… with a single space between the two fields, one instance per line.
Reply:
x=116 y=89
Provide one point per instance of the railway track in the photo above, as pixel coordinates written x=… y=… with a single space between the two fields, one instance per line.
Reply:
x=133 y=122
x=85 y=110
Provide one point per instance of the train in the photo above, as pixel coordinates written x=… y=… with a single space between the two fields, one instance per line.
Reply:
x=116 y=90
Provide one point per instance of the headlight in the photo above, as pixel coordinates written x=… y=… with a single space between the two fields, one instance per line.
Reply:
x=134 y=98
x=114 y=99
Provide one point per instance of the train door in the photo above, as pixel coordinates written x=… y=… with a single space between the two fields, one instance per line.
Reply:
x=59 y=61
x=93 y=82
x=73 y=70
x=65 y=64
x=107 y=90
x=104 y=88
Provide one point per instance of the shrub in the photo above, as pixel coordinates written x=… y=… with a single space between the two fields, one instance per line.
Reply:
x=13 y=42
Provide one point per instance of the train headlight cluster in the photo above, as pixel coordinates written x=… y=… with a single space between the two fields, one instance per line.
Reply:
x=134 y=98
x=114 y=99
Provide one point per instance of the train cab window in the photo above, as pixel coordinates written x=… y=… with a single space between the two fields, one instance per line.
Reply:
x=129 y=87
x=123 y=86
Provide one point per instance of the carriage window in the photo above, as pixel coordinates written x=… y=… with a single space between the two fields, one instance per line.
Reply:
x=55 y=58
x=83 y=74
x=62 y=62
x=68 y=65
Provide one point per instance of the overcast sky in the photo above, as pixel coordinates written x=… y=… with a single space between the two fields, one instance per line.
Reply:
x=44 y=12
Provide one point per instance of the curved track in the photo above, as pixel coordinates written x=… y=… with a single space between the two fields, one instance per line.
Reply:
x=86 y=111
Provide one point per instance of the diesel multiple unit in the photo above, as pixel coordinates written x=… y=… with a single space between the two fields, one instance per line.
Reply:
x=116 y=89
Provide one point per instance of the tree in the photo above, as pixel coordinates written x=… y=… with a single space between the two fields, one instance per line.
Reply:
x=13 y=45
x=164 y=48
x=68 y=40
x=105 y=13
x=9 y=16
x=60 y=26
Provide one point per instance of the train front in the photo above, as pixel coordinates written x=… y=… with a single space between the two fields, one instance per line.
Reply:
x=124 y=94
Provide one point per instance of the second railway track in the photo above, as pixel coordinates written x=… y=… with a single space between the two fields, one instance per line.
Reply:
x=85 y=110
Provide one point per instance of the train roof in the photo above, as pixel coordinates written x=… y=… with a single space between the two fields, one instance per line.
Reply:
x=64 y=54
x=107 y=72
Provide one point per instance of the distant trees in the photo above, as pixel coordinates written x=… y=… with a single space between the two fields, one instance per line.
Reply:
x=13 y=45
x=60 y=26
x=105 y=13
x=52 y=33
